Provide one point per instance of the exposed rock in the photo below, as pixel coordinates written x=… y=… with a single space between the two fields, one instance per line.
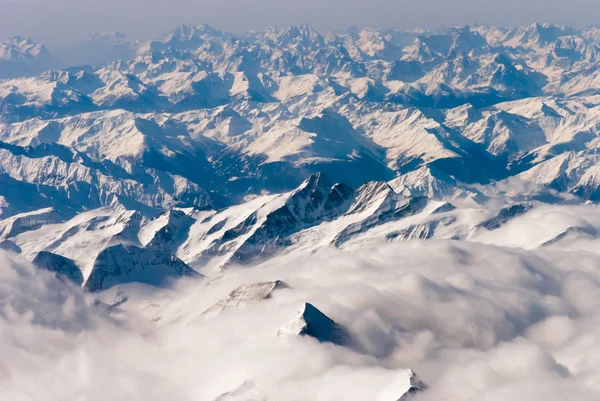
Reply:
x=504 y=216
x=10 y=246
x=314 y=323
x=168 y=238
x=64 y=268
x=387 y=205
x=126 y=264
x=315 y=201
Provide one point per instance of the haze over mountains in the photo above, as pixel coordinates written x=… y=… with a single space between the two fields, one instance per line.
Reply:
x=185 y=180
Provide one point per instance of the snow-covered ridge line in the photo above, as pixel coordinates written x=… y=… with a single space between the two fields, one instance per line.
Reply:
x=233 y=116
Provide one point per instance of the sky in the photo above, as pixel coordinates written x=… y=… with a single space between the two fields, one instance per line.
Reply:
x=56 y=22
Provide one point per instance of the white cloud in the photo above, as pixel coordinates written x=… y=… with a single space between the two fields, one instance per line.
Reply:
x=476 y=322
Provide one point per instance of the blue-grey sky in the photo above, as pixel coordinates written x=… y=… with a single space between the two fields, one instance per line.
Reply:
x=59 y=21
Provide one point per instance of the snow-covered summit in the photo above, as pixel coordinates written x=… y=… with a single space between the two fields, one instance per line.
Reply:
x=22 y=56
x=18 y=48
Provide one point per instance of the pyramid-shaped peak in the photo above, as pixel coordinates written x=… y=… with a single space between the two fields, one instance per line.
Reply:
x=304 y=29
x=318 y=196
x=303 y=33
x=314 y=323
x=317 y=180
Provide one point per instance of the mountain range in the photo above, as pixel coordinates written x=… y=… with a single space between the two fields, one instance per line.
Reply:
x=193 y=155
x=222 y=149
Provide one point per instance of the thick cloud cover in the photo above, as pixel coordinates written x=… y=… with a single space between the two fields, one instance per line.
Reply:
x=58 y=21
x=477 y=322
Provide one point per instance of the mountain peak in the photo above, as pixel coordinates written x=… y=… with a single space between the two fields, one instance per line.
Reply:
x=313 y=323
x=297 y=34
x=127 y=263
x=191 y=33
x=305 y=29
x=64 y=268
x=317 y=180
x=18 y=47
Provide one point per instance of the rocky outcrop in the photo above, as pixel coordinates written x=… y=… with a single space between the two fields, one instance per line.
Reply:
x=314 y=323
x=122 y=264
x=64 y=268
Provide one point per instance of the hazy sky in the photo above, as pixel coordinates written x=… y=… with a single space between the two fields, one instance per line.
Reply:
x=57 y=21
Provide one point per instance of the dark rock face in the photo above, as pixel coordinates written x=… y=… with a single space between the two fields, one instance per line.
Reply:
x=393 y=207
x=64 y=268
x=10 y=246
x=314 y=323
x=321 y=327
x=173 y=234
x=126 y=264
x=317 y=200
x=504 y=216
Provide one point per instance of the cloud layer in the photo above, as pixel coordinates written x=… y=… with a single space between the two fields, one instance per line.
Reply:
x=476 y=322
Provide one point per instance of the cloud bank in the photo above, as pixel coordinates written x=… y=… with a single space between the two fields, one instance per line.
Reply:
x=476 y=322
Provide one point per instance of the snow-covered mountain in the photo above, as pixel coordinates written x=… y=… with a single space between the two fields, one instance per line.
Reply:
x=204 y=157
x=20 y=57
x=218 y=149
